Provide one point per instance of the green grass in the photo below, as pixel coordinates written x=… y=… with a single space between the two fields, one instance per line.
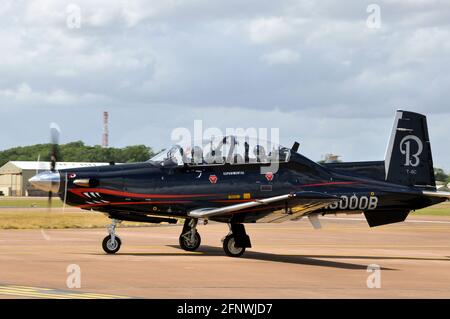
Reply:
x=27 y=202
x=32 y=218
x=33 y=213
x=442 y=209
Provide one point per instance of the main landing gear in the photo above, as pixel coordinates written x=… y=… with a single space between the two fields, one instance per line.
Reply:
x=236 y=241
x=234 y=244
x=190 y=238
x=111 y=243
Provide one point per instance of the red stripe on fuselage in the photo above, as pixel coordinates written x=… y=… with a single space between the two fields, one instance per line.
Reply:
x=80 y=191
x=134 y=203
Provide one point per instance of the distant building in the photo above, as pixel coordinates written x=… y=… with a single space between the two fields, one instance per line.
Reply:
x=14 y=176
x=331 y=158
x=443 y=186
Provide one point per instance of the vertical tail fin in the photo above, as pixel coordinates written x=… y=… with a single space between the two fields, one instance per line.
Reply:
x=408 y=156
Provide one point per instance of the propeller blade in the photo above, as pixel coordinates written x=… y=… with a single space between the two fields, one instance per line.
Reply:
x=55 y=132
x=53 y=160
x=38 y=164
x=49 y=202
x=65 y=193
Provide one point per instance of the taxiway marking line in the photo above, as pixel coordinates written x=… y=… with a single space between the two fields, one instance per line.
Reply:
x=35 y=292
x=24 y=288
x=31 y=294
x=64 y=293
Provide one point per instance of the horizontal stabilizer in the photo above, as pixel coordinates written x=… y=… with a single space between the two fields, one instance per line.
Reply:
x=437 y=194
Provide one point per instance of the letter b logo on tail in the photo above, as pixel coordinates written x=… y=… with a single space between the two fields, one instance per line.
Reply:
x=411 y=159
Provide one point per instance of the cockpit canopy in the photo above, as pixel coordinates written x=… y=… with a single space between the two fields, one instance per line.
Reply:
x=220 y=150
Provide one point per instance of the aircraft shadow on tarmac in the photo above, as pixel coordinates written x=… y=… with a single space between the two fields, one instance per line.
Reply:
x=207 y=251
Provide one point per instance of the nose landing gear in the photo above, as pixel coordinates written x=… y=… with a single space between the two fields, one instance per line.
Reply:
x=111 y=243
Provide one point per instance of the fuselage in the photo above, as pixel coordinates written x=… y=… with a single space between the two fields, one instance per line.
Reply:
x=172 y=191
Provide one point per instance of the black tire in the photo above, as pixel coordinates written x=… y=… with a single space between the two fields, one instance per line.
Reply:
x=230 y=249
x=188 y=246
x=109 y=247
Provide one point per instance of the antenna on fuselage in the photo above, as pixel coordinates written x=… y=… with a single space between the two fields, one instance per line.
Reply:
x=295 y=147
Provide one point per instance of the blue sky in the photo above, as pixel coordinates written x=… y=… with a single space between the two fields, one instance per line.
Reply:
x=314 y=69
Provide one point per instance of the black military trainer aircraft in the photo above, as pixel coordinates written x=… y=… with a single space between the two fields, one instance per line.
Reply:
x=231 y=181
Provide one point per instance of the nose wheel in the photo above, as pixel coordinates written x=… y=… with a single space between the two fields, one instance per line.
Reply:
x=190 y=238
x=111 y=243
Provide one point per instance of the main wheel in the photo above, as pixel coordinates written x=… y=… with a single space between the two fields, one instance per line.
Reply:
x=230 y=248
x=111 y=246
x=190 y=245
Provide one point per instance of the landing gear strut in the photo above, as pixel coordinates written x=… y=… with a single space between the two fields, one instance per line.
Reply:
x=190 y=238
x=111 y=243
x=236 y=241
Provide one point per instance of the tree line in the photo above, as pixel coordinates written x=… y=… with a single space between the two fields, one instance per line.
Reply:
x=441 y=175
x=77 y=152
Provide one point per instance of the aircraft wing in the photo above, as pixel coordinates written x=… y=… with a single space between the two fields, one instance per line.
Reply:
x=299 y=204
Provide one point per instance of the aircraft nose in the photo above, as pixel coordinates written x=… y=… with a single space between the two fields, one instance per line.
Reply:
x=46 y=181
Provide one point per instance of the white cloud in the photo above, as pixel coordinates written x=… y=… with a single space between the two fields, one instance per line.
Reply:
x=24 y=95
x=423 y=46
x=272 y=29
x=282 y=56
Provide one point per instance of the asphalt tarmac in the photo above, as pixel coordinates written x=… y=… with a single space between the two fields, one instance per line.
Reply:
x=288 y=260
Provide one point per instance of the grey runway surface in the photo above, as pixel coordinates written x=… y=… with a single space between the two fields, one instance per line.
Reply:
x=289 y=260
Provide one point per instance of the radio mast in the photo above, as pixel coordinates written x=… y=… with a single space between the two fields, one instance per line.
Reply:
x=105 y=141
